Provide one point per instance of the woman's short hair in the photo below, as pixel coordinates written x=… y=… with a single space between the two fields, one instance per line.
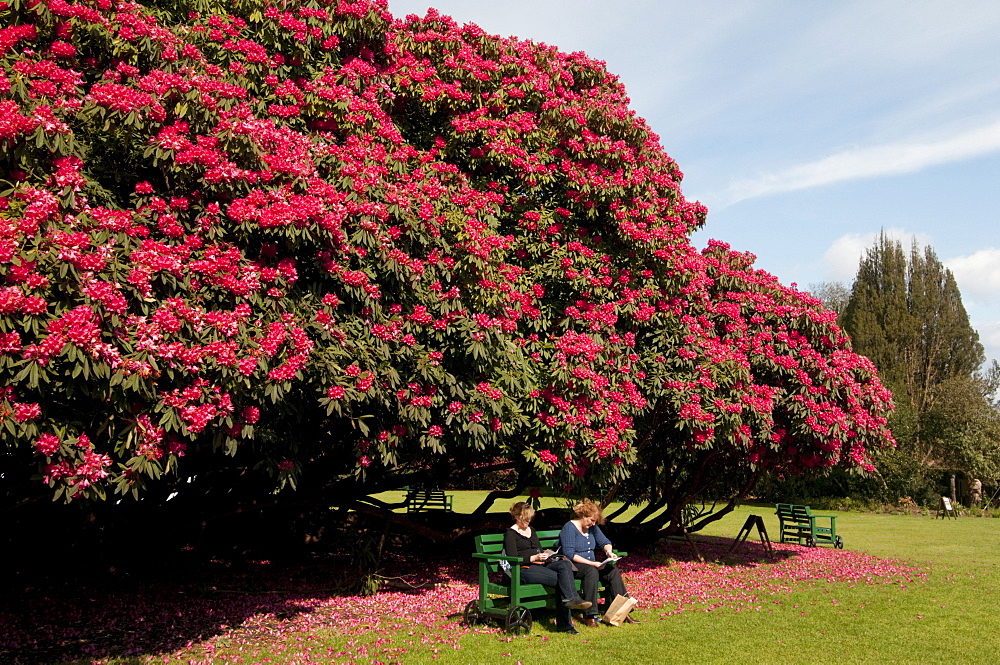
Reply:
x=521 y=510
x=588 y=508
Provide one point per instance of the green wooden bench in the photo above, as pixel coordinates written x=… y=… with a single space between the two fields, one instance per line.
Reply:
x=798 y=524
x=509 y=599
x=421 y=500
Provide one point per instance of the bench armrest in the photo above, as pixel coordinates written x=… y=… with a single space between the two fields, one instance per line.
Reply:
x=493 y=558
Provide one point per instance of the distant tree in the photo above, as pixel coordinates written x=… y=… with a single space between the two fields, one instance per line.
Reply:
x=962 y=427
x=835 y=295
x=905 y=313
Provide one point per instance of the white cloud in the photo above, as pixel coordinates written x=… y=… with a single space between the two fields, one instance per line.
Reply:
x=844 y=254
x=978 y=276
x=841 y=259
x=989 y=335
x=873 y=161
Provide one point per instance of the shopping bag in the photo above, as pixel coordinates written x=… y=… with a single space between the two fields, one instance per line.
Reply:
x=620 y=607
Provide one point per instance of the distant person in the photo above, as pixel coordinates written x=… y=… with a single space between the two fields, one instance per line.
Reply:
x=540 y=567
x=976 y=492
x=579 y=539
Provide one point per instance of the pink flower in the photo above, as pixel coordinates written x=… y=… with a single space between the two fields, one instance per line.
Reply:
x=47 y=444
x=62 y=49
x=548 y=457
x=251 y=414
x=176 y=447
x=23 y=412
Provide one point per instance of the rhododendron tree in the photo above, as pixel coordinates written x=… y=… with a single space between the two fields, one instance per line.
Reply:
x=309 y=242
x=765 y=382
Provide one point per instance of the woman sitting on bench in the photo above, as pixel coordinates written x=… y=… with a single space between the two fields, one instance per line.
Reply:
x=539 y=568
x=578 y=539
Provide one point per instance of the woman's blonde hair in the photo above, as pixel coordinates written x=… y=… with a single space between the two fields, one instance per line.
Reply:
x=522 y=510
x=588 y=508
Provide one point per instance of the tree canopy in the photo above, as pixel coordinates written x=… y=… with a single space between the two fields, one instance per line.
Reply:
x=307 y=245
x=905 y=312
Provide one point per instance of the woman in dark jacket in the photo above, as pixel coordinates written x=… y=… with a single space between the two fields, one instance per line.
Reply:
x=579 y=539
x=538 y=568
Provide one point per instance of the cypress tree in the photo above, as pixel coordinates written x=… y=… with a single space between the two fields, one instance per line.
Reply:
x=905 y=313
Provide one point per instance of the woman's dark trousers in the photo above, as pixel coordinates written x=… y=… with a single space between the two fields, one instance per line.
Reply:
x=590 y=575
x=557 y=574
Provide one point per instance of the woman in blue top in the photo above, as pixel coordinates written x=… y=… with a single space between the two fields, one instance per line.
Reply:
x=579 y=539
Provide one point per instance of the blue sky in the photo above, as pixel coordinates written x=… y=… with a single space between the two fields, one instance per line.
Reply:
x=808 y=127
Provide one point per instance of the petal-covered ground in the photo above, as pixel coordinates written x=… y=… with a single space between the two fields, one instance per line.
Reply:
x=262 y=608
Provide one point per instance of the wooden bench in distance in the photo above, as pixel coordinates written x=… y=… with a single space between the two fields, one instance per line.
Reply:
x=798 y=524
x=421 y=500
x=509 y=599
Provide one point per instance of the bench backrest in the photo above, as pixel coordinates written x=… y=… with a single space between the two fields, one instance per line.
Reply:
x=794 y=513
x=492 y=543
x=426 y=494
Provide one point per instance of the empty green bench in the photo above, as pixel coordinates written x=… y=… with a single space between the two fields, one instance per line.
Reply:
x=510 y=600
x=799 y=525
x=421 y=500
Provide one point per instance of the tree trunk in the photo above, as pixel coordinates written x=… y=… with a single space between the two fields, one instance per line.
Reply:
x=494 y=495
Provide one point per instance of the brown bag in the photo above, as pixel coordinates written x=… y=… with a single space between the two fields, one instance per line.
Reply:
x=620 y=607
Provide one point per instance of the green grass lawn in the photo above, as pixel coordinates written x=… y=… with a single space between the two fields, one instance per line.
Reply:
x=947 y=618
x=944 y=615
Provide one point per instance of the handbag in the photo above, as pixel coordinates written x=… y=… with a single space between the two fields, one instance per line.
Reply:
x=619 y=609
x=504 y=564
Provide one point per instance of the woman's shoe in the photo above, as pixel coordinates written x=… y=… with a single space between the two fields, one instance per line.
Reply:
x=590 y=622
x=577 y=603
x=628 y=619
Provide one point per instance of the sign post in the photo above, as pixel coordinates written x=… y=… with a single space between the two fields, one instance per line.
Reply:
x=752 y=521
x=946 y=510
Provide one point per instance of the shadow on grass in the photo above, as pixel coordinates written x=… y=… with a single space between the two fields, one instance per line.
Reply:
x=48 y=620
x=164 y=610
x=718 y=549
